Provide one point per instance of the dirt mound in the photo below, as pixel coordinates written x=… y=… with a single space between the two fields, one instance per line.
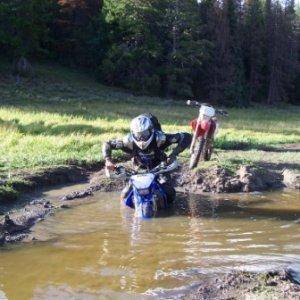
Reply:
x=213 y=180
x=29 y=182
x=291 y=179
x=15 y=226
x=98 y=182
x=245 y=285
x=219 y=180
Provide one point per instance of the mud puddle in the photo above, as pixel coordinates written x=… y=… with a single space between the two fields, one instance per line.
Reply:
x=99 y=250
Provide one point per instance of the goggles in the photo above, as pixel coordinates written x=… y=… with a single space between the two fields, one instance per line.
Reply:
x=143 y=136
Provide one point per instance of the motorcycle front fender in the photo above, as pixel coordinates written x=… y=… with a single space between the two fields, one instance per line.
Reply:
x=128 y=201
x=145 y=207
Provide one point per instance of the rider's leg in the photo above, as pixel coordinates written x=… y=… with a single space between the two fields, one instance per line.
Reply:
x=170 y=191
x=168 y=188
x=125 y=193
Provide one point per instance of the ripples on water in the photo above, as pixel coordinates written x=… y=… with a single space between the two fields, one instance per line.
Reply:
x=100 y=250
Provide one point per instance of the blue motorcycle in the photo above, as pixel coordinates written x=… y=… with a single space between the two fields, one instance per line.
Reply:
x=147 y=195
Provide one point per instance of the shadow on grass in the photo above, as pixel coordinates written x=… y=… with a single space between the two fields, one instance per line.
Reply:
x=233 y=163
x=286 y=131
x=278 y=165
x=280 y=150
x=39 y=128
x=245 y=146
x=103 y=108
x=236 y=145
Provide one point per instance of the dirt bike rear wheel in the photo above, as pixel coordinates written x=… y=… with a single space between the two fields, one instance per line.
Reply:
x=195 y=156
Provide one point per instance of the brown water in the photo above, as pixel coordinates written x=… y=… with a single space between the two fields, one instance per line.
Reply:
x=99 y=250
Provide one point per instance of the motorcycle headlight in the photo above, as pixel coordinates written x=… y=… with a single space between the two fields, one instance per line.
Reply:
x=144 y=191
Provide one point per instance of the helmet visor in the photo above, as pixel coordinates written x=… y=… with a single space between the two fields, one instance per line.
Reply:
x=143 y=136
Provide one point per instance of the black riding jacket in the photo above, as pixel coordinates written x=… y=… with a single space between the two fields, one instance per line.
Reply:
x=155 y=152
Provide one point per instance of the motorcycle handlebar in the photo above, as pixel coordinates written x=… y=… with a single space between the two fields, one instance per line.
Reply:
x=121 y=171
x=196 y=103
x=222 y=112
x=192 y=103
x=165 y=168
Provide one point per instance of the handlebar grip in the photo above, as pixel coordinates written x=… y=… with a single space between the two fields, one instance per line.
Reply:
x=193 y=103
x=223 y=113
x=119 y=170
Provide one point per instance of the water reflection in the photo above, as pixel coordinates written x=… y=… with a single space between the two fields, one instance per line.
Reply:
x=235 y=207
x=101 y=250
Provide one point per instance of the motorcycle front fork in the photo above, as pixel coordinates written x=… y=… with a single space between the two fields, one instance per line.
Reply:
x=193 y=144
x=195 y=135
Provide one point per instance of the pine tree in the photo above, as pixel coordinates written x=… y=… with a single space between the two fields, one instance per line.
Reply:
x=228 y=70
x=254 y=49
x=291 y=66
x=135 y=50
x=155 y=47
x=273 y=13
x=185 y=55
x=80 y=33
x=26 y=27
x=235 y=92
x=281 y=50
x=204 y=83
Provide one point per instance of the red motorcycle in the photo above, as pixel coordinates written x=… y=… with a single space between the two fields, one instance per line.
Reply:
x=204 y=130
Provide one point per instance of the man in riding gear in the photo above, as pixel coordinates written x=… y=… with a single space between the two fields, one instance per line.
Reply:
x=146 y=145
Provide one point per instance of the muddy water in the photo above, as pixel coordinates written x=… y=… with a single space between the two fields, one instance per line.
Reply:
x=99 y=250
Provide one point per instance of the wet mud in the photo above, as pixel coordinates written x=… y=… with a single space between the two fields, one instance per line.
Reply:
x=15 y=225
x=278 y=284
x=245 y=285
x=213 y=180
x=28 y=182
x=219 y=180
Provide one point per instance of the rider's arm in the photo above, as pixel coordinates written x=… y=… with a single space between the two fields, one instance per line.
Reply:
x=182 y=139
x=125 y=145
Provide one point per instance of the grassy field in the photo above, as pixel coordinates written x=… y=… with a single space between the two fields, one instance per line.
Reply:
x=62 y=116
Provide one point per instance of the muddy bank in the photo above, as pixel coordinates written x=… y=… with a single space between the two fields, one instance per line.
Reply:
x=244 y=285
x=30 y=181
x=219 y=180
x=15 y=226
x=291 y=179
x=98 y=182
x=213 y=180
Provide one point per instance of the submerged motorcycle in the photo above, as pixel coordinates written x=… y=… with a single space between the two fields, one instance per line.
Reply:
x=204 y=129
x=147 y=195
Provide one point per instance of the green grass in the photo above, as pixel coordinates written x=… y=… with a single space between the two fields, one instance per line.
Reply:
x=62 y=116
